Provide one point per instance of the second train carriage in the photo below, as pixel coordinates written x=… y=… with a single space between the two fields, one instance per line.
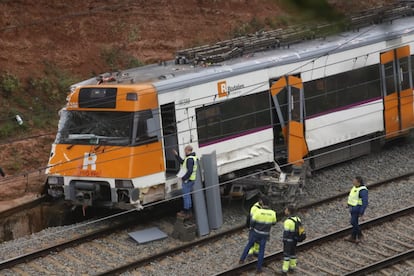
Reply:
x=324 y=101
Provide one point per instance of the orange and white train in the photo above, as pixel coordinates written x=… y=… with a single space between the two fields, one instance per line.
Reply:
x=322 y=101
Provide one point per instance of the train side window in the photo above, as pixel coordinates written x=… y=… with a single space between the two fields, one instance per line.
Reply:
x=237 y=116
x=412 y=67
x=232 y=117
x=208 y=123
x=141 y=133
x=389 y=78
x=342 y=90
x=404 y=67
x=315 y=96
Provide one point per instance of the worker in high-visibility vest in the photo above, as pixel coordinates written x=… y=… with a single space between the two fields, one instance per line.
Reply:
x=261 y=222
x=254 y=250
x=189 y=166
x=289 y=240
x=357 y=202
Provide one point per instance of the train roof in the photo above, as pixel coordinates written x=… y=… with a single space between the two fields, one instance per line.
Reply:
x=168 y=75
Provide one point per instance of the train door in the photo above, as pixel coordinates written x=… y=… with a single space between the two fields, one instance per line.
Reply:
x=169 y=130
x=397 y=90
x=287 y=95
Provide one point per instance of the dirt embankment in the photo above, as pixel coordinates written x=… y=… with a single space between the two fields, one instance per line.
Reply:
x=81 y=36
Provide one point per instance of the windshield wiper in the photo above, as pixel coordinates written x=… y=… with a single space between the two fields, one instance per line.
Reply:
x=95 y=139
x=82 y=136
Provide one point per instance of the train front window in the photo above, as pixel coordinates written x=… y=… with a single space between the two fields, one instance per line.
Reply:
x=95 y=128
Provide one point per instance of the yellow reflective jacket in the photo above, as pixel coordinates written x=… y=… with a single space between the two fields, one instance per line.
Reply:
x=194 y=173
x=353 y=198
x=262 y=221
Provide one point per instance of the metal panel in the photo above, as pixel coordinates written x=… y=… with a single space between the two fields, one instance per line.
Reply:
x=200 y=205
x=215 y=215
x=147 y=235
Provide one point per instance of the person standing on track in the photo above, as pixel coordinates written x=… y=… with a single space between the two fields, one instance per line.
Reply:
x=189 y=166
x=260 y=223
x=254 y=250
x=289 y=240
x=357 y=202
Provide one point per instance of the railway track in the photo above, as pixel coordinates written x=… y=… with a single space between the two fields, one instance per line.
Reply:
x=388 y=239
x=112 y=242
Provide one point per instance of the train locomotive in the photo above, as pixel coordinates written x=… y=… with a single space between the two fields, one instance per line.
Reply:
x=312 y=104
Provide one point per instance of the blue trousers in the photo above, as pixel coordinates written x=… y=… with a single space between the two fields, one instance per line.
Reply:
x=356 y=231
x=187 y=189
x=261 y=240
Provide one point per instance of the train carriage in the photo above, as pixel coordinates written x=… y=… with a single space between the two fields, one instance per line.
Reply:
x=321 y=102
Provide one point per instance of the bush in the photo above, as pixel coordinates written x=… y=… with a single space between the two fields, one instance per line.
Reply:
x=53 y=87
x=6 y=130
x=9 y=84
x=116 y=58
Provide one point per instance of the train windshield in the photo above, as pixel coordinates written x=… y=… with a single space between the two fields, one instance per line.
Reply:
x=95 y=128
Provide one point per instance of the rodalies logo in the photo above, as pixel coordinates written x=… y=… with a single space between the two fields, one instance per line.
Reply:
x=89 y=160
x=225 y=90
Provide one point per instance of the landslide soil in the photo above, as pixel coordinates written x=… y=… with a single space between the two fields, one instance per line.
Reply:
x=80 y=36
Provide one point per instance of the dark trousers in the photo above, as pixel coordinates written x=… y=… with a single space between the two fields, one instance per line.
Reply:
x=187 y=189
x=356 y=230
x=261 y=240
x=289 y=255
x=289 y=249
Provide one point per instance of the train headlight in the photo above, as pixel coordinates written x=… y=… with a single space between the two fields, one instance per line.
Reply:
x=121 y=183
x=55 y=180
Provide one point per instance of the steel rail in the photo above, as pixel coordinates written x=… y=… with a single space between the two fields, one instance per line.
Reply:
x=135 y=264
x=102 y=232
x=369 y=186
x=66 y=244
x=382 y=264
x=323 y=239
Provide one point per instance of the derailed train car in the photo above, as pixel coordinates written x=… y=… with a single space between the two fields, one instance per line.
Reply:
x=322 y=101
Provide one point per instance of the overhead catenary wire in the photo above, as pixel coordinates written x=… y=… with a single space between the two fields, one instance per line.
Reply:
x=116 y=148
x=226 y=119
x=181 y=132
x=154 y=204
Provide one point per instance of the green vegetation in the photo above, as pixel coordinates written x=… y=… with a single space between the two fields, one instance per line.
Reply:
x=310 y=10
x=298 y=14
x=8 y=124
x=134 y=35
x=9 y=84
x=254 y=25
x=36 y=99
x=17 y=163
x=117 y=58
